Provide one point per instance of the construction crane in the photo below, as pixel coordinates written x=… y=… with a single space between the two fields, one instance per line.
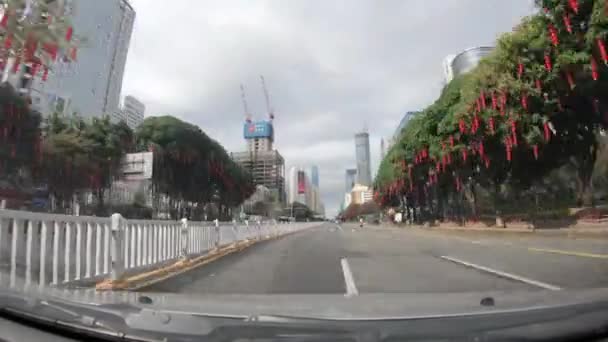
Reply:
x=268 y=106
x=245 y=107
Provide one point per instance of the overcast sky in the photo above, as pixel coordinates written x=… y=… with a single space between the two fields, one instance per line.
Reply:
x=332 y=67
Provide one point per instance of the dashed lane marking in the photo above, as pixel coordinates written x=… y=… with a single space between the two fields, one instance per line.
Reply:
x=349 y=281
x=503 y=274
x=573 y=253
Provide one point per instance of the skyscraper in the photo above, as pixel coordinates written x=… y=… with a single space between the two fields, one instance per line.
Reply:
x=132 y=112
x=364 y=170
x=314 y=175
x=90 y=86
x=350 y=179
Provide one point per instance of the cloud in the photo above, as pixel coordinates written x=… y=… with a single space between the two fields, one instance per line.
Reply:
x=332 y=67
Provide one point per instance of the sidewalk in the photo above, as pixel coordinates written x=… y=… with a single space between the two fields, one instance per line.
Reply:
x=580 y=229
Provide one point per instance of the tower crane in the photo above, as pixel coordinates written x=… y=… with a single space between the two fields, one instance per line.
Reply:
x=245 y=107
x=267 y=97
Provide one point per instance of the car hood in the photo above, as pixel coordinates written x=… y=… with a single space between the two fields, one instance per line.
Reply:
x=337 y=306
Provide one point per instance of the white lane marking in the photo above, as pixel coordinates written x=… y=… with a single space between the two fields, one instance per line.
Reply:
x=503 y=274
x=349 y=281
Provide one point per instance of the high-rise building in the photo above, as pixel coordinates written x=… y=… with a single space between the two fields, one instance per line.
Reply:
x=314 y=175
x=404 y=121
x=265 y=164
x=350 y=180
x=382 y=149
x=456 y=65
x=91 y=85
x=364 y=170
x=132 y=112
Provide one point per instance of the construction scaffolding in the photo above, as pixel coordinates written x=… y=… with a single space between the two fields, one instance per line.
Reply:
x=266 y=167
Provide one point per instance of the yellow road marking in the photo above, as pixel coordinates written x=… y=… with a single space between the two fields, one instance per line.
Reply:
x=559 y=251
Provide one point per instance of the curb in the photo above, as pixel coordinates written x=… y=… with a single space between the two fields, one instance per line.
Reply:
x=141 y=280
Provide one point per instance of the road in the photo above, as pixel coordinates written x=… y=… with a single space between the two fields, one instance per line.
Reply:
x=388 y=260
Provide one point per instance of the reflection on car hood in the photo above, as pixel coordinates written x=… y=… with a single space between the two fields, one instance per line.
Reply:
x=337 y=306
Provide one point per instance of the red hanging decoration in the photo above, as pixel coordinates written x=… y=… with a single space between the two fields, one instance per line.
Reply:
x=508 y=153
x=451 y=141
x=539 y=86
x=535 y=151
x=478 y=104
x=594 y=72
x=494 y=101
x=567 y=23
x=548 y=65
x=491 y=124
x=73 y=55
x=547 y=131
x=570 y=79
x=69 y=33
x=514 y=132
x=464 y=154
x=4 y=21
x=602 y=48
x=483 y=99
x=462 y=126
x=476 y=123
x=481 y=149
x=520 y=69
x=8 y=42
x=553 y=35
x=573 y=5
x=524 y=100
x=438 y=166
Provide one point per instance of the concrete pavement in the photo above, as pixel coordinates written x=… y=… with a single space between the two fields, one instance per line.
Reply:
x=388 y=260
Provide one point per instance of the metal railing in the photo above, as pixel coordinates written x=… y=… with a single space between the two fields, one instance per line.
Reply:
x=45 y=249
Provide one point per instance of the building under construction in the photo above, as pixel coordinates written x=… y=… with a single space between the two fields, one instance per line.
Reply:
x=265 y=164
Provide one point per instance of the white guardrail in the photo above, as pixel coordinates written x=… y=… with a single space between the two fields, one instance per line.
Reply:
x=54 y=249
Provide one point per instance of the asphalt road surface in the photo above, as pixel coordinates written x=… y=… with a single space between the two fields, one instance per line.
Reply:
x=388 y=260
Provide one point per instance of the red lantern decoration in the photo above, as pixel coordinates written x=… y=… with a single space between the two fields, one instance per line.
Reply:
x=481 y=149
x=520 y=69
x=514 y=132
x=462 y=126
x=573 y=5
x=478 y=104
x=535 y=151
x=547 y=131
x=594 y=72
x=524 y=100
x=548 y=65
x=464 y=154
x=476 y=123
x=8 y=41
x=602 y=48
x=553 y=35
x=451 y=141
x=69 y=33
x=483 y=99
x=4 y=21
x=491 y=124
x=539 y=85
x=567 y=23
x=494 y=101
x=570 y=79
x=508 y=153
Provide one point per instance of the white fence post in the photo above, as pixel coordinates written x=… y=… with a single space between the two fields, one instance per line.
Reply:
x=218 y=233
x=184 y=239
x=117 y=250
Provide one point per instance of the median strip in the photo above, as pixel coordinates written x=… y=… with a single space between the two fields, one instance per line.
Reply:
x=572 y=253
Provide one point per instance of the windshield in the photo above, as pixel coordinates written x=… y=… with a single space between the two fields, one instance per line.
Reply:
x=162 y=152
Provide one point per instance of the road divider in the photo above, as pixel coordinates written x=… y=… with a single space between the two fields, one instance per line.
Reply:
x=502 y=274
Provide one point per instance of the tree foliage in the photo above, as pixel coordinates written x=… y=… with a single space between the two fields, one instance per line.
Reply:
x=535 y=104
